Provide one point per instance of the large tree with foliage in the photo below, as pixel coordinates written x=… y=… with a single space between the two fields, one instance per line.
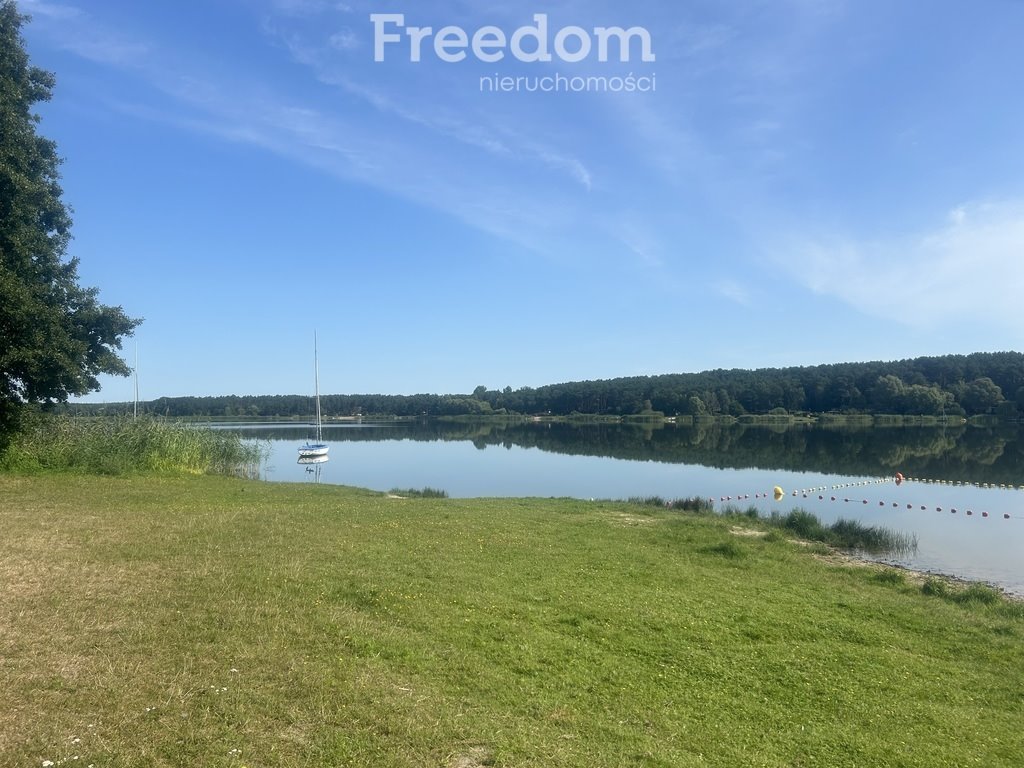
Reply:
x=55 y=336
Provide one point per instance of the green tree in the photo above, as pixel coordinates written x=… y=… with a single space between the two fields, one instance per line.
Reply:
x=694 y=406
x=888 y=393
x=55 y=337
x=930 y=401
x=981 y=395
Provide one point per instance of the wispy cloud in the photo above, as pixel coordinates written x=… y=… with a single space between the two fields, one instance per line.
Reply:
x=969 y=268
x=77 y=31
x=345 y=40
x=733 y=291
x=459 y=118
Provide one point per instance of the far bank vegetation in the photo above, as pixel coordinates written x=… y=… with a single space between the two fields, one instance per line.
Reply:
x=986 y=385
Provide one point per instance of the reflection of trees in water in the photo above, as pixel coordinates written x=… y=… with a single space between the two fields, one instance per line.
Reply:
x=970 y=454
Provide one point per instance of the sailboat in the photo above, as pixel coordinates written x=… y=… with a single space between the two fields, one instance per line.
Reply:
x=315 y=449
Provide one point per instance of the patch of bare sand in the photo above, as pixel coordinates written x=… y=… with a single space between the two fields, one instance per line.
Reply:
x=627 y=518
x=474 y=757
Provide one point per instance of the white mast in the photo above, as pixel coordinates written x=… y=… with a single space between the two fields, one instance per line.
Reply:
x=135 y=411
x=316 y=374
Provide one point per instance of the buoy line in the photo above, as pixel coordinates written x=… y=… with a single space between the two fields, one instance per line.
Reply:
x=778 y=494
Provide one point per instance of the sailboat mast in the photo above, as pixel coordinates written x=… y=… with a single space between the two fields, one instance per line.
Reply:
x=316 y=377
x=135 y=411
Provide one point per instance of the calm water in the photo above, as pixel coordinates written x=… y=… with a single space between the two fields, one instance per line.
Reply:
x=833 y=473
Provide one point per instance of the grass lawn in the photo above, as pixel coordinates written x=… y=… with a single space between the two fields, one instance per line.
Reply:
x=204 y=621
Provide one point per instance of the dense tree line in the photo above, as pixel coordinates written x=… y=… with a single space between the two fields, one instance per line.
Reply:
x=950 y=385
x=947 y=385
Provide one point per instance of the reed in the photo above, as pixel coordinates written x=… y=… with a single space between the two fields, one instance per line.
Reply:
x=420 y=493
x=844 y=534
x=695 y=504
x=647 y=501
x=122 y=445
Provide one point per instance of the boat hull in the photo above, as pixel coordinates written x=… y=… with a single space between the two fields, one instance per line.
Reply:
x=313 y=449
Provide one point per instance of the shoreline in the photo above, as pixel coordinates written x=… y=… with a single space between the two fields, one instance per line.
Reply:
x=916 y=576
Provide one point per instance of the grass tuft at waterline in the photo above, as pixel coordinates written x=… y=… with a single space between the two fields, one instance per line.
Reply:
x=845 y=534
x=122 y=445
x=423 y=493
x=842 y=533
x=194 y=620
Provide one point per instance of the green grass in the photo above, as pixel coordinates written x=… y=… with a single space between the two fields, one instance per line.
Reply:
x=123 y=445
x=210 y=621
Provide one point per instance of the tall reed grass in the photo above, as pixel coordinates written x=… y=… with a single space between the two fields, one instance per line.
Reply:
x=845 y=534
x=842 y=534
x=122 y=445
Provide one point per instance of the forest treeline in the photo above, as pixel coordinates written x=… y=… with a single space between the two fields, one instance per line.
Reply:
x=949 y=385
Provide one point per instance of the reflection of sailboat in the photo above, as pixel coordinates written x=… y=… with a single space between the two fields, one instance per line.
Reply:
x=313 y=465
x=316 y=448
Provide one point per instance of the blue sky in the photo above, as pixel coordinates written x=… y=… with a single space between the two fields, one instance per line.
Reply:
x=807 y=181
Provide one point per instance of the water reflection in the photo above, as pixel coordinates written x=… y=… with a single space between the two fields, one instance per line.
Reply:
x=313 y=466
x=978 y=455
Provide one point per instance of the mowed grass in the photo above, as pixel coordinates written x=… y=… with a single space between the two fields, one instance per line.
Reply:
x=207 y=621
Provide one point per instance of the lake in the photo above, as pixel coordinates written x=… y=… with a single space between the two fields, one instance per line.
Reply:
x=962 y=499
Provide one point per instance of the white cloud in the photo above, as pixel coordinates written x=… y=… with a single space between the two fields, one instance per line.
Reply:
x=640 y=243
x=969 y=269
x=39 y=9
x=734 y=292
x=345 y=40
x=75 y=30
